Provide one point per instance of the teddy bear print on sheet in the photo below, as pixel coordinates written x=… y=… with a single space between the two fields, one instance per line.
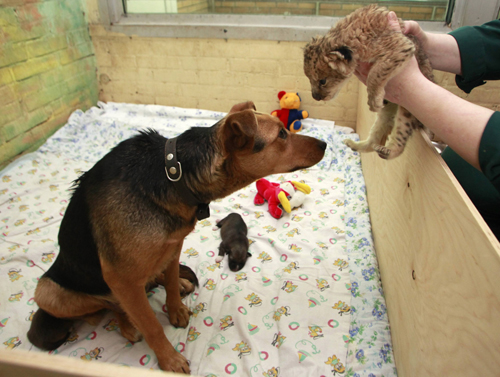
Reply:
x=286 y=313
x=291 y=298
x=288 y=309
x=33 y=197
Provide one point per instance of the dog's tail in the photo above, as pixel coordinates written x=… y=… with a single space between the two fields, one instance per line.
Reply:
x=187 y=280
x=187 y=273
x=48 y=332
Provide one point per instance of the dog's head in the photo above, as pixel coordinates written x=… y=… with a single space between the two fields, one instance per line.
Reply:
x=256 y=145
x=328 y=67
x=237 y=256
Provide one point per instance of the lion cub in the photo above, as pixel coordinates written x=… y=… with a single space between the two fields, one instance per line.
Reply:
x=365 y=36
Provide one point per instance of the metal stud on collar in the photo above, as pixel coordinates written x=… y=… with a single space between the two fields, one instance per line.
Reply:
x=173 y=171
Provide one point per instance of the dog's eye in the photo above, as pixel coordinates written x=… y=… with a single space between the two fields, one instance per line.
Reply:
x=283 y=135
x=322 y=82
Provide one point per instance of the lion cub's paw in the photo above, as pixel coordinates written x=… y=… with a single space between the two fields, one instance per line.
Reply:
x=376 y=103
x=351 y=144
x=383 y=152
x=376 y=106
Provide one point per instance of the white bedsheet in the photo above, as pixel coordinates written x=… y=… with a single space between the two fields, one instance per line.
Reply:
x=307 y=303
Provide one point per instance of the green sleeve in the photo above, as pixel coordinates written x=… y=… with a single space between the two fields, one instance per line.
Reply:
x=483 y=188
x=489 y=150
x=479 y=53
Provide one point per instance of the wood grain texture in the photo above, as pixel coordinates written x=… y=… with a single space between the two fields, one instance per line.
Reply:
x=439 y=262
x=20 y=363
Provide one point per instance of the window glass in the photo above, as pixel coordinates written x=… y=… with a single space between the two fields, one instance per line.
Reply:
x=420 y=10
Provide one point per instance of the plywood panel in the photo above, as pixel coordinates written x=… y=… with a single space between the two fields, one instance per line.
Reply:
x=21 y=363
x=439 y=262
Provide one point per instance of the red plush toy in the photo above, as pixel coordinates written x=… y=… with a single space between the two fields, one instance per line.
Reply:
x=284 y=197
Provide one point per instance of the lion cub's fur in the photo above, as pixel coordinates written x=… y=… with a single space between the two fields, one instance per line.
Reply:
x=365 y=36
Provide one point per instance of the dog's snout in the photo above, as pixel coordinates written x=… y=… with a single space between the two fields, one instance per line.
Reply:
x=322 y=145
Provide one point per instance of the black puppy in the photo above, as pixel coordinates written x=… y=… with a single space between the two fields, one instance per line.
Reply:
x=233 y=231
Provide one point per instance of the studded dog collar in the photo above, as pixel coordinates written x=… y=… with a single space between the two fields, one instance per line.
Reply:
x=173 y=169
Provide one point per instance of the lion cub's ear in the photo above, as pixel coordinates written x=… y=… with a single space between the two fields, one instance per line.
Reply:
x=339 y=59
x=342 y=52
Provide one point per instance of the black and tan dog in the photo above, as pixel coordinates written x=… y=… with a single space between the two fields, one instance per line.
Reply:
x=125 y=224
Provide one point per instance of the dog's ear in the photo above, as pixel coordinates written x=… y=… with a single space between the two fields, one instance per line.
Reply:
x=239 y=131
x=219 y=223
x=249 y=105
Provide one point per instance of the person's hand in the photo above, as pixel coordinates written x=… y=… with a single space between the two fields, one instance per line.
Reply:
x=413 y=28
x=362 y=70
x=441 y=49
x=393 y=88
x=394 y=22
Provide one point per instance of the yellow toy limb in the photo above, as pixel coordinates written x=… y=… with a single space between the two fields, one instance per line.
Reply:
x=302 y=187
x=285 y=203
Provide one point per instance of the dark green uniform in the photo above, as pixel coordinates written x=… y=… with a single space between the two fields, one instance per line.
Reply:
x=480 y=55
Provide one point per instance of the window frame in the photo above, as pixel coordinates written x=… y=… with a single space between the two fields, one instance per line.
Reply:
x=264 y=27
x=474 y=12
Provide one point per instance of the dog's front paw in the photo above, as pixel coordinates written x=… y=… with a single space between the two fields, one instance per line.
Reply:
x=175 y=362
x=179 y=317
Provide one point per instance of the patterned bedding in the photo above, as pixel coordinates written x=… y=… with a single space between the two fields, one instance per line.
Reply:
x=309 y=301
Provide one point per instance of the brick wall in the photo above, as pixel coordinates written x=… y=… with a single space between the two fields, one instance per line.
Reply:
x=214 y=74
x=209 y=74
x=47 y=70
x=192 y=6
x=407 y=10
x=487 y=95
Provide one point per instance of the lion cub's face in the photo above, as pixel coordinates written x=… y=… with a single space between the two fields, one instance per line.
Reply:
x=327 y=68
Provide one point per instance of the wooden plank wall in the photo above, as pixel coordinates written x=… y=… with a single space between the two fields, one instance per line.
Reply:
x=439 y=262
x=21 y=363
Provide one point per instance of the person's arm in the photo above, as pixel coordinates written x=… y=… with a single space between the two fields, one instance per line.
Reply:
x=479 y=54
x=455 y=121
x=441 y=49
